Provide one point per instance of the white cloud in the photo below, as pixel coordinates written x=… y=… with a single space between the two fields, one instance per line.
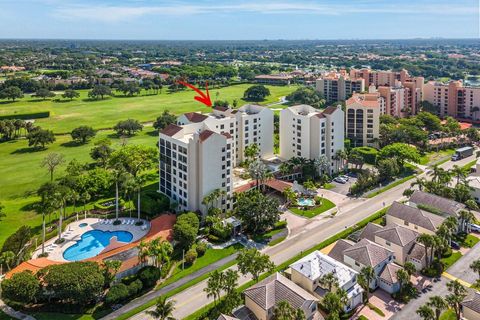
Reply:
x=117 y=13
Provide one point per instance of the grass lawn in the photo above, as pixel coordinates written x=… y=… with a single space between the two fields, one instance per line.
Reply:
x=449 y=261
x=310 y=213
x=210 y=256
x=3 y=316
x=376 y=310
x=66 y=115
x=470 y=164
x=466 y=240
x=390 y=186
x=21 y=175
x=448 y=315
x=60 y=316
x=433 y=156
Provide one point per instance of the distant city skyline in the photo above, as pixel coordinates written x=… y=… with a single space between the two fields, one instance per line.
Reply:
x=238 y=20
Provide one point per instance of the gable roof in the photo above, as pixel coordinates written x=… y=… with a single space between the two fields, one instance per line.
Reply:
x=389 y=273
x=397 y=234
x=447 y=206
x=171 y=130
x=195 y=117
x=368 y=253
x=269 y=292
x=369 y=231
x=205 y=134
x=415 y=216
x=340 y=246
x=417 y=251
x=472 y=302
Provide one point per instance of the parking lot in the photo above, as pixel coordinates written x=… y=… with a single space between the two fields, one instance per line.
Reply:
x=343 y=188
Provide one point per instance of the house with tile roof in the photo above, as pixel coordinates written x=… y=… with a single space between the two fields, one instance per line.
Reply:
x=444 y=206
x=471 y=306
x=308 y=271
x=263 y=297
x=413 y=218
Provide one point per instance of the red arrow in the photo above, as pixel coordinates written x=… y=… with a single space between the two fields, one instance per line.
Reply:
x=203 y=98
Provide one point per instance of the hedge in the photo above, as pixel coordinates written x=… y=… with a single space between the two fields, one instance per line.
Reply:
x=152 y=203
x=368 y=154
x=26 y=116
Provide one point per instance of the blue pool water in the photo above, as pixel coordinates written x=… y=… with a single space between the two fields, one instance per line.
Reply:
x=93 y=242
x=83 y=225
x=306 y=202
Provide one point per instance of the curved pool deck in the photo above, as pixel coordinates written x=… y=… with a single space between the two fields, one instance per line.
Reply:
x=160 y=227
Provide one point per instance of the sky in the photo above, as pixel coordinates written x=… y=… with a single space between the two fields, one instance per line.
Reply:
x=238 y=19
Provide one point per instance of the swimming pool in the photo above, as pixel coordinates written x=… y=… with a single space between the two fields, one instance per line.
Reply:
x=306 y=202
x=93 y=242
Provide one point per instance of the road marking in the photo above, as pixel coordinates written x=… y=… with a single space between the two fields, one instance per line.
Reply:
x=463 y=283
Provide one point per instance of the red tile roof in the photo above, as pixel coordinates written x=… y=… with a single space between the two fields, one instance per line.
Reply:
x=329 y=110
x=171 y=130
x=276 y=184
x=204 y=135
x=195 y=117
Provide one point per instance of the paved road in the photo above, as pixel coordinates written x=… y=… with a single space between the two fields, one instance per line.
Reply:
x=188 y=301
x=462 y=270
x=155 y=294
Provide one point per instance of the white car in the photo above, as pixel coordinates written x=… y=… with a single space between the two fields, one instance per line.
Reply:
x=340 y=180
x=474 y=227
x=344 y=177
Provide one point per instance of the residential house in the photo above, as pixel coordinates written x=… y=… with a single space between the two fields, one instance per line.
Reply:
x=434 y=203
x=263 y=297
x=413 y=218
x=471 y=306
x=308 y=271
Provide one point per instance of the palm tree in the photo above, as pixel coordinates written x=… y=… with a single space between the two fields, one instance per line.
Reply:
x=139 y=181
x=230 y=279
x=283 y=311
x=475 y=266
x=426 y=313
x=465 y=218
x=258 y=171
x=323 y=164
x=367 y=274
x=214 y=286
x=143 y=251
x=438 y=304
x=290 y=196
x=409 y=268
x=459 y=172
x=403 y=278
x=329 y=281
x=160 y=250
x=427 y=242
x=420 y=182
x=7 y=258
x=163 y=309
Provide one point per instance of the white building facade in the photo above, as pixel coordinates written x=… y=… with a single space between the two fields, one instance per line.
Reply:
x=197 y=155
x=309 y=133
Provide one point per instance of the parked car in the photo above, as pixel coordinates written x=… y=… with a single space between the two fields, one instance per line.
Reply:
x=455 y=245
x=340 y=180
x=474 y=227
x=344 y=177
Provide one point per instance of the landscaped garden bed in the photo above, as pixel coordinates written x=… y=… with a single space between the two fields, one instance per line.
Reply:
x=310 y=212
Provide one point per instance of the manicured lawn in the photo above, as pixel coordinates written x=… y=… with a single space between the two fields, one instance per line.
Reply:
x=466 y=240
x=448 y=315
x=376 y=310
x=449 y=261
x=65 y=115
x=328 y=186
x=310 y=213
x=3 y=316
x=21 y=175
x=434 y=157
x=470 y=164
x=210 y=256
x=390 y=186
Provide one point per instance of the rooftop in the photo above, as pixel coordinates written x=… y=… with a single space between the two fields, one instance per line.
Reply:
x=416 y=216
x=368 y=253
x=317 y=264
x=449 y=207
x=397 y=234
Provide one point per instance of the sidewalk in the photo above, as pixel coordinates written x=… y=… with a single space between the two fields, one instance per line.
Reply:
x=14 y=314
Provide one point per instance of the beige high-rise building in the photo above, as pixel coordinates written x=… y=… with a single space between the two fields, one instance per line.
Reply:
x=453 y=99
x=339 y=86
x=363 y=118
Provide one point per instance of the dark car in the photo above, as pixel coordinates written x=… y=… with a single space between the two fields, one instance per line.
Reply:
x=455 y=245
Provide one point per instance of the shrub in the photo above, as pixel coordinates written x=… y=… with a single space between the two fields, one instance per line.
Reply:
x=185 y=230
x=117 y=293
x=201 y=248
x=21 y=287
x=153 y=203
x=191 y=256
x=213 y=238
x=135 y=287
x=129 y=279
x=368 y=154
x=108 y=204
x=149 y=276
x=165 y=269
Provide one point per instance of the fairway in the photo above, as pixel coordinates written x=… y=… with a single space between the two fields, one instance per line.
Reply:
x=20 y=170
x=66 y=115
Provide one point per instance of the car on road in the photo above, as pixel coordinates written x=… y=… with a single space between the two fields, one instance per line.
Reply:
x=340 y=180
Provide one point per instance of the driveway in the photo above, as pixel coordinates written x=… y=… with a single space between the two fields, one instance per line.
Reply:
x=343 y=188
x=462 y=270
x=384 y=302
